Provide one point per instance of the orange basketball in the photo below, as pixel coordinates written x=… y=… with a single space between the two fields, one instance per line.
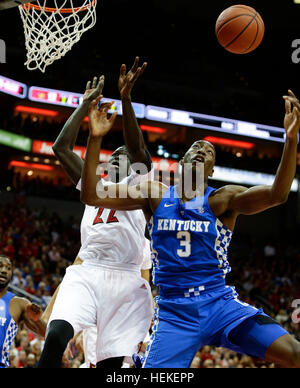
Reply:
x=240 y=29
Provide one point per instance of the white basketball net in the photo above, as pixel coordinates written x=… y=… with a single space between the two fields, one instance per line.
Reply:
x=50 y=35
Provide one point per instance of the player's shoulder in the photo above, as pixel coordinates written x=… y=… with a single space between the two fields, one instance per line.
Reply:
x=153 y=189
x=230 y=190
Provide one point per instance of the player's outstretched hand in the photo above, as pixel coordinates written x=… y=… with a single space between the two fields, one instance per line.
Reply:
x=292 y=115
x=127 y=80
x=99 y=123
x=94 y=89
x=33 y=312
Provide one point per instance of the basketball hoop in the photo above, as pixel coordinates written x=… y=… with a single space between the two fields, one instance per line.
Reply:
x=50 y=32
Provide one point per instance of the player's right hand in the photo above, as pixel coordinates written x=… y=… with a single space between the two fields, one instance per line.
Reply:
x=99 y=123
x=33 y=311
x=292 y=116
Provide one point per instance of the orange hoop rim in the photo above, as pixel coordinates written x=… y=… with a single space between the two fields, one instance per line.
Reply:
x=29 y=6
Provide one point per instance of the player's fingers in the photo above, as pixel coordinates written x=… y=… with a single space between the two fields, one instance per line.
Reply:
x=99 y=99
x=100 y=83
x=113 y=117
x=135 y=65
x=296 y=112
x=123 y=69
x=296 y=103
x=108 y=106
x=105 y=107
x=288 y=107
x=293 y=100
x=95 y=102
x=95 y=81
x=136 y=75
x=145 y=64
x=88 y=85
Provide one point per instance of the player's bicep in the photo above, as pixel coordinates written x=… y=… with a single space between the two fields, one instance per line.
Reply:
x=252 y=201
x=21 y=308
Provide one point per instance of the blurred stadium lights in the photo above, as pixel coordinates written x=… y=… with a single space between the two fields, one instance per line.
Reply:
x=36 y=111
x=31 y=166
x=153 y=113
x=229 y=142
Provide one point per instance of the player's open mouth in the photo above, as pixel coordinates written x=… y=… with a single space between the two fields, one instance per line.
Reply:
x=199 y=159
x=3 y=279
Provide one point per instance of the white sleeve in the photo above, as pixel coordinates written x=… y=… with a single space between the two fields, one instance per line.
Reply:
x=147 y=262
x=104 y=184
x=136 y=179
x=78 y=187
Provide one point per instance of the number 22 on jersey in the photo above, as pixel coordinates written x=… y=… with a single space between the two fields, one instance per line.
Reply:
x=110 y=219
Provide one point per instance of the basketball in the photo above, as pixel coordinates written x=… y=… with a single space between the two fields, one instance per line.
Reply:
x=240 y=29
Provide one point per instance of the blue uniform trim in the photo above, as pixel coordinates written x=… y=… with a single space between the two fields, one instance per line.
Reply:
x=8 y=329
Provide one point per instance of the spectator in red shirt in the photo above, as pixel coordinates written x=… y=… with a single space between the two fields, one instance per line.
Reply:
x=9 y=249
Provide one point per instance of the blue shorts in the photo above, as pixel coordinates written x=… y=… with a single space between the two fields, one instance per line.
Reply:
x=184 y=325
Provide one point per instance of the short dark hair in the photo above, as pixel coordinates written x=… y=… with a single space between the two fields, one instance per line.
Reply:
x=5 y=257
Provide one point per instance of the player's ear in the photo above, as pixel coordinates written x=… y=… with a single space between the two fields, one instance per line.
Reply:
x=212 y=173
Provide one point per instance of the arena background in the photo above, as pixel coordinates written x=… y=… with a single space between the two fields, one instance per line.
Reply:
x=187 y=71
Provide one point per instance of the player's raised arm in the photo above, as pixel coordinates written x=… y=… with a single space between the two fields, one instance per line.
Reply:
x=94 y=193
x=65 y=142
x=133 y=136
x=260 y=198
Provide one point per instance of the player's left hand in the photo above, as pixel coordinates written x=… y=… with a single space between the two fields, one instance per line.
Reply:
x=93 y=89
x=33 y=312
x=292 y=115
x=99 y=123
x=127 y=80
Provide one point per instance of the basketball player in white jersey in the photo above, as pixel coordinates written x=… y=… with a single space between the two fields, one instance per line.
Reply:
x=106 y=289
x=86 y=341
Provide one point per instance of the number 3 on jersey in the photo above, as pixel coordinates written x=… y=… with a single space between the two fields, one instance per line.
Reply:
x=110 y=219
x=185 y=242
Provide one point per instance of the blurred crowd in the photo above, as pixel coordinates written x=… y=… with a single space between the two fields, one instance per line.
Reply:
x=46 y=187
x=41 y=245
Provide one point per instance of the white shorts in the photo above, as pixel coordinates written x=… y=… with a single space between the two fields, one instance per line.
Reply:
x=89 y=345
x=118 y=302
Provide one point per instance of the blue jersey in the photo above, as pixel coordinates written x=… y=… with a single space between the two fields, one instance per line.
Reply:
x=189 y=244
x=8 y=330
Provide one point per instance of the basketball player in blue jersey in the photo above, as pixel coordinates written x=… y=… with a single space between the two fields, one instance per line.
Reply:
x=191 y=233
x=14 y=310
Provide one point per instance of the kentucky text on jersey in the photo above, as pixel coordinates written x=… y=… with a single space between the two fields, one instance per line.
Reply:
x=179 y=226
x=189 y=244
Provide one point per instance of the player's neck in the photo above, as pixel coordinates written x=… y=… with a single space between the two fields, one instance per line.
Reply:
x=3 y=292
x=188 y=192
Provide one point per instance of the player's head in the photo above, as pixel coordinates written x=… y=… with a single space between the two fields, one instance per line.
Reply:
x=6 y=271
x=201 y=152
x=119 y=165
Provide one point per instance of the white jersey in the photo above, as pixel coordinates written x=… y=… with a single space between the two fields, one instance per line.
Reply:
x=113 y=238
x=146 y=258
